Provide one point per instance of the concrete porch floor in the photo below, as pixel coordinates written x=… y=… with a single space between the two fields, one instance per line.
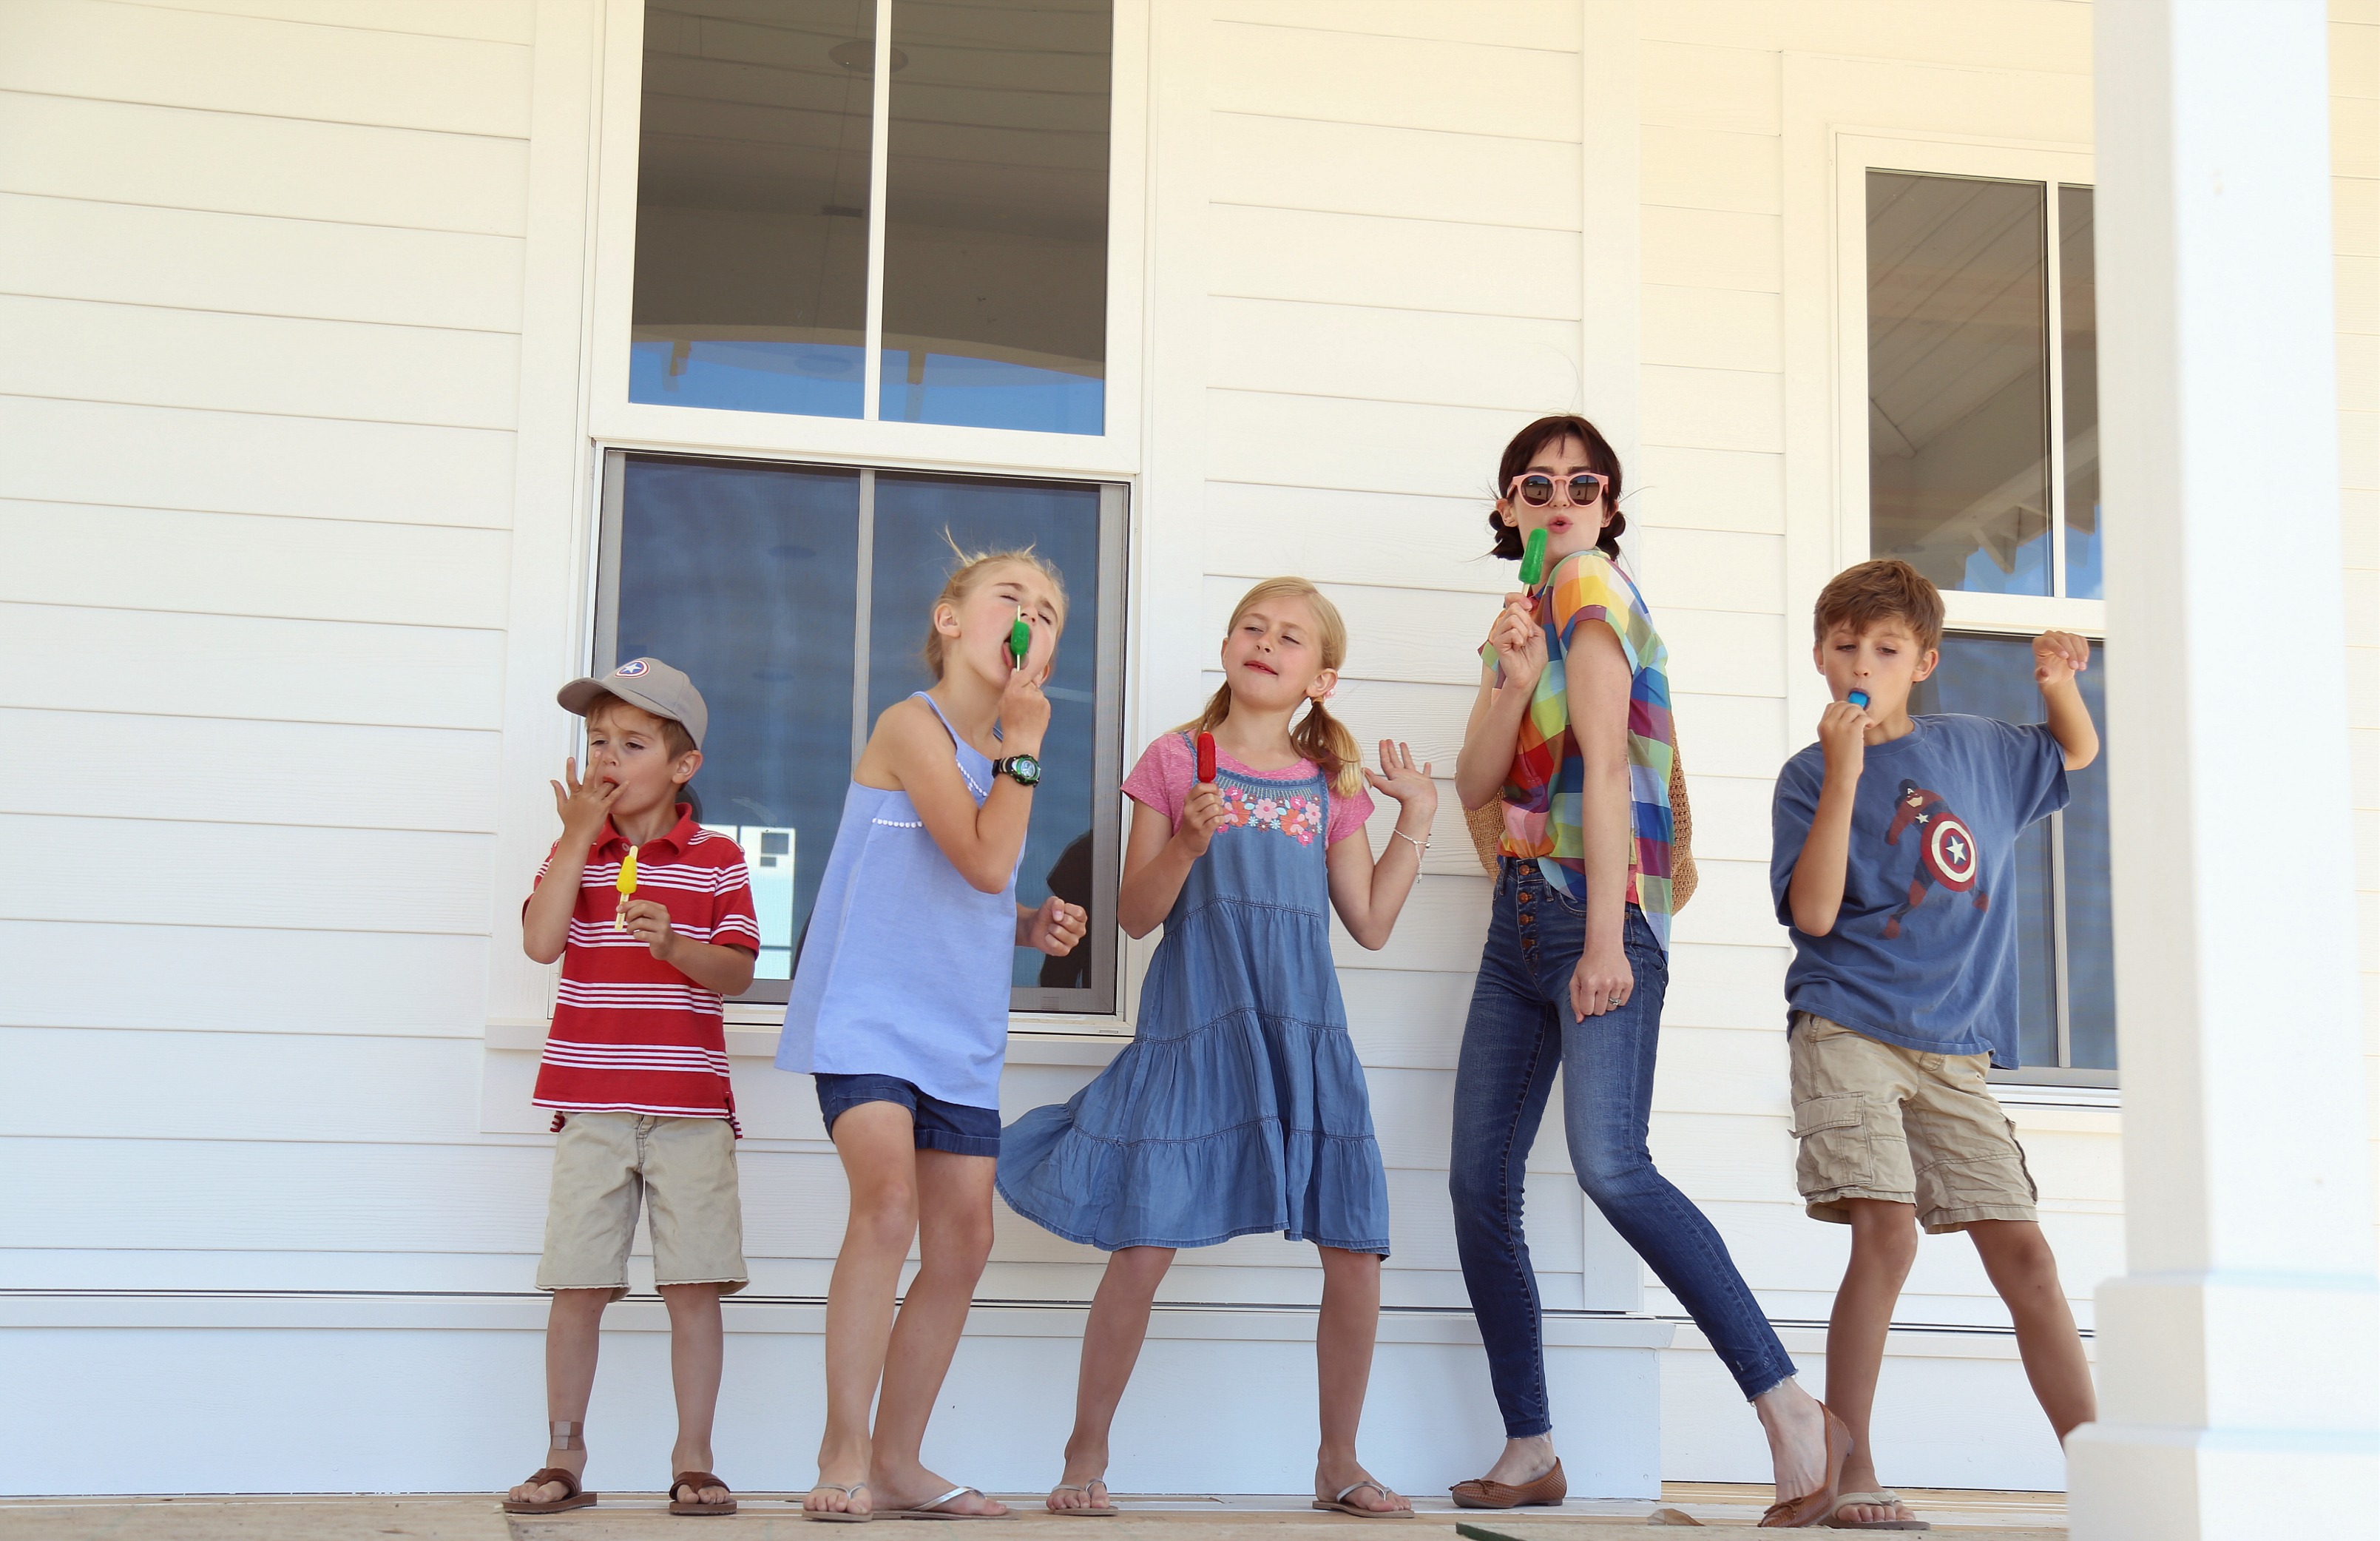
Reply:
x=1164 y=1517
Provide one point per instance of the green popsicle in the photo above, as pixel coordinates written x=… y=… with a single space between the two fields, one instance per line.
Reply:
x=1533 y=559
x=1020 y=637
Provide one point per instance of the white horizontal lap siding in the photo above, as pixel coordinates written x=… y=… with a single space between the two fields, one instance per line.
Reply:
x=261 y=274
x=1392 y=287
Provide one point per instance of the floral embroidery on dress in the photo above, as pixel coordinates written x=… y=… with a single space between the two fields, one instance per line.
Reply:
x=1299 y=818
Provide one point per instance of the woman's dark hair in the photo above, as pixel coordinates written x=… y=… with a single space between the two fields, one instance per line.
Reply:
x=1523 y=448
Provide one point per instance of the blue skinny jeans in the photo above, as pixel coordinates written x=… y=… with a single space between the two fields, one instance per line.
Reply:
x=1519 y=1032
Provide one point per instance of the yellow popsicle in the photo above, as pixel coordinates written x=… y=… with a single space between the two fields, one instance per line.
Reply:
x=627 y=886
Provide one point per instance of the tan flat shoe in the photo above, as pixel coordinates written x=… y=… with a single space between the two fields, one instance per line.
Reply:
x=1487 y=1493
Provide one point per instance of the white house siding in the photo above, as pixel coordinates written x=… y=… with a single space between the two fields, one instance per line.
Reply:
x=260 y=283
x=295 y=511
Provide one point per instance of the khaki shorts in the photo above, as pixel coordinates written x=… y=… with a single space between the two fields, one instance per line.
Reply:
x=1881 y=1122
x=684 y=1172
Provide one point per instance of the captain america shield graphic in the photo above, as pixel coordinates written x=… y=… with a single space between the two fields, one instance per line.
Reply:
x=1951 y=852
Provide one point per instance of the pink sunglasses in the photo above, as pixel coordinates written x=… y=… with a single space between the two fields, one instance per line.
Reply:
x=1536 y=489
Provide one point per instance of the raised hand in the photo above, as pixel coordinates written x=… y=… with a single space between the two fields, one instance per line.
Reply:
x=583 y=805
x=1842 y=734
x=2058 y=657
x=1024 y=710
x=1519 y=641
x=1055 y=928
x=1403 y=781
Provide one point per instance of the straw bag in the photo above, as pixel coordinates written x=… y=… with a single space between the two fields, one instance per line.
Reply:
x=1487 y=827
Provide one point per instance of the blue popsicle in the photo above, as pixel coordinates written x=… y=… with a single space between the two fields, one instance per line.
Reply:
x=1858 y=699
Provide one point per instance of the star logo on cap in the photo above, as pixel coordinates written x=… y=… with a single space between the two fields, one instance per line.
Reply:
x=630 y=669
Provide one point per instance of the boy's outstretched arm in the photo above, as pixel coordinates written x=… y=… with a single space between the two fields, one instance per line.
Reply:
x=1816 y=895
x=2057 y=658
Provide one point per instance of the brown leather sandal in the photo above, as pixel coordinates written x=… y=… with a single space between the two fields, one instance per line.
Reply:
x=1487 y=1493
x=694 y=1483
x=1816 y=1508
x=576 y=1498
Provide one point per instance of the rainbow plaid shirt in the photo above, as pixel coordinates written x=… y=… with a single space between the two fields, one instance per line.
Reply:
x=1541 y=790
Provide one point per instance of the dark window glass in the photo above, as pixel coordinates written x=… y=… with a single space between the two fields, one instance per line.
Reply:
x=743 y=577
x=918 y=519
x=751 y=282
x=1992 y=677
x=748 y=576
x=996 y=193
x=1958 y=380
x=2078 y=299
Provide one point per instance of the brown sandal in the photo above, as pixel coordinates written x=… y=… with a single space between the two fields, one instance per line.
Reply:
x=694 y=1482
x=1487 y=1493
x=576 y=1498
x=1815 y=1508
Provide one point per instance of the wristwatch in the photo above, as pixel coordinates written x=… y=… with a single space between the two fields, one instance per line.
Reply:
x=1023 y=769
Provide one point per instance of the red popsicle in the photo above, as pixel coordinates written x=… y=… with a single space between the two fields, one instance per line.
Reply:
x=1207 y=757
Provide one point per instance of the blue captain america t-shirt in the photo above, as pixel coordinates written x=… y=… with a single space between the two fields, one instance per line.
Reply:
x=1923 y=953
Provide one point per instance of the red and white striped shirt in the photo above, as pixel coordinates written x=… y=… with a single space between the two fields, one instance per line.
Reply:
x=631 y=1033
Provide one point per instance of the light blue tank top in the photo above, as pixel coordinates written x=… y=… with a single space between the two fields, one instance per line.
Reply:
x=905 y=972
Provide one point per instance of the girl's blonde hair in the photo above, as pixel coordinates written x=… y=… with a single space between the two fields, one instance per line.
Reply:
x=970 y=568
x=1318 y=735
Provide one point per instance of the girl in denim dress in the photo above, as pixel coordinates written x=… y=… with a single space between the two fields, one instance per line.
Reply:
x=1239 y=1106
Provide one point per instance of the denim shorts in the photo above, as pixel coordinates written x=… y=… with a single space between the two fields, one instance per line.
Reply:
x=945 y=1126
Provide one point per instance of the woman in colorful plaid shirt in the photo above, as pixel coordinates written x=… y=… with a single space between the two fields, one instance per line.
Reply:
x=1571 y=732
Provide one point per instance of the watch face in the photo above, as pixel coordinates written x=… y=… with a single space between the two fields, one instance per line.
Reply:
x=1024 y=768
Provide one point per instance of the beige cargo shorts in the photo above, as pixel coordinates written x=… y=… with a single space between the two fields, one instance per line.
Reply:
x=1876 y=1122
x=682 y=1170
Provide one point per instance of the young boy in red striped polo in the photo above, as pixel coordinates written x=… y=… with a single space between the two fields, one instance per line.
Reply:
x=652 y=918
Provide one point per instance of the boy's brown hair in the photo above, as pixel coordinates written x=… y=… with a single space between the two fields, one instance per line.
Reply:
x=1880 y=591
x=674 y=738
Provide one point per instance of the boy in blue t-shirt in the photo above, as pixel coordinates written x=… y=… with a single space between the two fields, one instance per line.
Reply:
x=1895 y=845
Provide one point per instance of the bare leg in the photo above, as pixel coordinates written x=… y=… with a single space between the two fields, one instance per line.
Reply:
x=953 y=1241
x=574 y=1331
x=876 y=1140
x=1883 y=1246
x=1112 y=1341
x=697 y=1348
x=1350 y=1325
x=2023 y=1269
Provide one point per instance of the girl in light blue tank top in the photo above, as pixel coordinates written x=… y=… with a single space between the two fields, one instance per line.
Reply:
x=1239 y=1106
x=899 y=1013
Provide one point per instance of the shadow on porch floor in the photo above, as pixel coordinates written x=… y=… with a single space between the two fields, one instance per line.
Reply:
x=1725 y=1509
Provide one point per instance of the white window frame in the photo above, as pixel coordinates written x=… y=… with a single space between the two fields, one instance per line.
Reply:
x=1856 y=154
x=616 y=421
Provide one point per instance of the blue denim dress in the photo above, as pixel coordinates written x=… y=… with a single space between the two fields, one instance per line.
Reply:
x=1239 y=1107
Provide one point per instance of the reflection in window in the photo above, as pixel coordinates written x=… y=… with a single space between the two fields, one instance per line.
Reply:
x=1958 y=380
x=1061 y=523
x=2078 y=330
x=749 y=577
x=751 y=280
x=741 y=575
x=753 y=211
x=2065 y=933
x=995 y=246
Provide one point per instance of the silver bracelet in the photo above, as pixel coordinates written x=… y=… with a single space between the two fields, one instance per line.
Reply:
x=1421 y=847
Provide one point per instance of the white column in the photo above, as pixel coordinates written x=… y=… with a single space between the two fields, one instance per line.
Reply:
x=2239 y=1357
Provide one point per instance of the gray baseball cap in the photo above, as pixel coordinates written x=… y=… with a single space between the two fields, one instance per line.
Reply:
x=648 y=683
